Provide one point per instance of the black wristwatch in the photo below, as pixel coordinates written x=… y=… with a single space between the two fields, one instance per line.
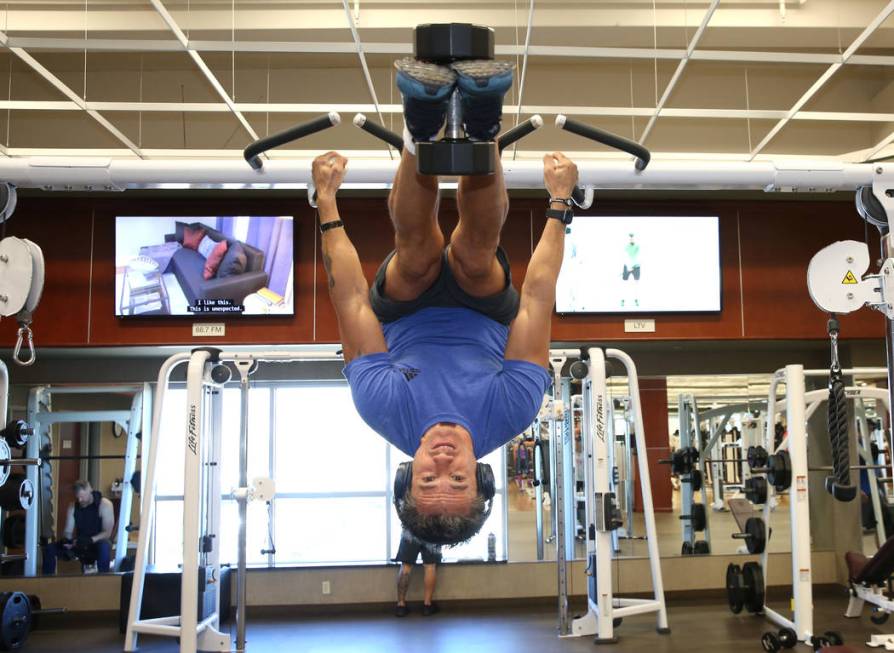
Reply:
x=565 y=216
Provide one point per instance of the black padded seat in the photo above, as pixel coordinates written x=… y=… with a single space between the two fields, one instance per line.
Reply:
x=871 y=571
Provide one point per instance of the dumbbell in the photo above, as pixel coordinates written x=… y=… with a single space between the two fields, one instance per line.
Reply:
x=828 y=638
x=773 y=643
x=878 y=617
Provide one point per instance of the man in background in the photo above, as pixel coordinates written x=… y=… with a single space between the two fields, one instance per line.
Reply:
x=90 y=520
x=409 y=550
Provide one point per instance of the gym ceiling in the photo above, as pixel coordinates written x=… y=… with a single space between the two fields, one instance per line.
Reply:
x=734 y=79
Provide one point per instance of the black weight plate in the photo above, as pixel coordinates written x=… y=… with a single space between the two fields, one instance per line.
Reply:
x=757 y=457
x=753 y=580
x=14 y=531
x=445 y=42
x=35 y=610
x=687 y=549
x=17 y=493
x=699 y=517
x=878 y=617
x=788 y=638
x=136 y=481
x=702 y=547
x=17 y=433
x=15 y=620
x=756 y=489
x=770 y=643
x=757 y=535
x=696 y=479
x=780 y=474
x=734 y=591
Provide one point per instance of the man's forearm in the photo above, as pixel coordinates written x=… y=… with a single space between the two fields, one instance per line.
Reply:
x=340 y=258
x=546 y=261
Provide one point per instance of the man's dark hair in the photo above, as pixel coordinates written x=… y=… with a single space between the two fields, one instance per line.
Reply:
x=447 y=530
x=81 y=484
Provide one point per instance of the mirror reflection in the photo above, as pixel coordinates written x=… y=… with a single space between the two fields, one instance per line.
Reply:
x=74 y=513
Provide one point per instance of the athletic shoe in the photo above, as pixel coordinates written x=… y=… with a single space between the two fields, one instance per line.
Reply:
x=429 y=610
x=401 y=611
x=482 y=84
x=426 y=89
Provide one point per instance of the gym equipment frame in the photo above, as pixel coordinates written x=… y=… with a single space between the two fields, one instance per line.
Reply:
x=41 y=417
x=201 y=500
x=601 y=508
x=798 y=406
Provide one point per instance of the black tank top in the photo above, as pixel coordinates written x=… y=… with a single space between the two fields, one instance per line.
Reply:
x=87 y=520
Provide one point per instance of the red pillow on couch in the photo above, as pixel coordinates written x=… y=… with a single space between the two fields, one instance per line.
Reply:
x=214 y=259
x=192 y=236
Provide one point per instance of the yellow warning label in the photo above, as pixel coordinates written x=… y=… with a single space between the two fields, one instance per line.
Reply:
x=849 y=279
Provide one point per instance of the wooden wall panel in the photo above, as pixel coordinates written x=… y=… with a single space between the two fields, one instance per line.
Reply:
x=653 y=397
x=776 y=240
x=700 y=326
x=63 y=230
x=107 y=329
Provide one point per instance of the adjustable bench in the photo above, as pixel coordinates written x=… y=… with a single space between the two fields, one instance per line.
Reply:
x=868 y=581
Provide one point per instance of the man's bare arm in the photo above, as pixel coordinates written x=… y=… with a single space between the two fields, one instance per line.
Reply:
x=529 y=335
x=107 y=516
x=361 y=333
x=69 y=522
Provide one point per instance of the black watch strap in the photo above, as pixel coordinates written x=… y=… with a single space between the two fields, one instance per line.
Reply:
x=565 y=217
x=335 y=224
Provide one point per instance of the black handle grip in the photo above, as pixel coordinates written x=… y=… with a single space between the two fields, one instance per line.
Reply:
x=519 y=132
x=379 y=132
x=252 y=152
x=643 y=156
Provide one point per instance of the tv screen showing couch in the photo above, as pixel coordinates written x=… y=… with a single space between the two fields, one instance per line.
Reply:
x=203 y=266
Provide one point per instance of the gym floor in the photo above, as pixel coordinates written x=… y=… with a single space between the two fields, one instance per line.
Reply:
x=698 y=626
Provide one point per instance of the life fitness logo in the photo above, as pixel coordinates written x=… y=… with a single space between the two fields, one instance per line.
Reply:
x=192 y=437
x=600 y=418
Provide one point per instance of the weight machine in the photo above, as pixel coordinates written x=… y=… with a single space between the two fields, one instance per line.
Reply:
x=603 y=516
x=207 y=372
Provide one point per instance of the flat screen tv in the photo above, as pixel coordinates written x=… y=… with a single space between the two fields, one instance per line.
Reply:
x=219 y=267
x=643 y=264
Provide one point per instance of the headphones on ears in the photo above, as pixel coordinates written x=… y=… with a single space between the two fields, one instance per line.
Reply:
x=403 y=479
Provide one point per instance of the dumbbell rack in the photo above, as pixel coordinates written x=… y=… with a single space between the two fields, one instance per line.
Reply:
x=690 y=436
x=798 y=407
x=603 y=608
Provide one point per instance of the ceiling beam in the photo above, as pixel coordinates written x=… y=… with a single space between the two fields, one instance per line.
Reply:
x=524 y=70
x=358 y=45
x=76 y=99
x=202 y=66
x=339 y=47
x=672 y=84
x=310 y=108
x=825 y=77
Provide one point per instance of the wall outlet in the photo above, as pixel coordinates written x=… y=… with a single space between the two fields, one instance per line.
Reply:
x=327 y=587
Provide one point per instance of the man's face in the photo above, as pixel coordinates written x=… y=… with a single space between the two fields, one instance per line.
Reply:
x=84 y=498
x=444 y=481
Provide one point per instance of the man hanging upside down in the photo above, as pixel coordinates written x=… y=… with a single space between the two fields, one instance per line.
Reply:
x=444 y=358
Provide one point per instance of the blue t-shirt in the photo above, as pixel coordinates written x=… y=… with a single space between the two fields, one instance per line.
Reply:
x=446 y=365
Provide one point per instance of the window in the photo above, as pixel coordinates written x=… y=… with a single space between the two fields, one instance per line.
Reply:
x=333 y=478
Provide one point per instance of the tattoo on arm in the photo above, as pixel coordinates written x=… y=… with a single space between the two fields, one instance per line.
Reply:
x=327 y=264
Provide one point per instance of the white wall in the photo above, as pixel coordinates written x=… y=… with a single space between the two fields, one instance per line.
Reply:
x=131 y=233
